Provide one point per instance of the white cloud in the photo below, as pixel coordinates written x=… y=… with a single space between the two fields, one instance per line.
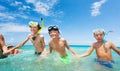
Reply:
x=58 y=14
x=24 y=7
x=21 y=16
x=42 y=8
x=30 y=1
x=96 y=7
x=14 y=27
x=11 y=27
x=10 y=16
x=6 y=16
x=16 y=3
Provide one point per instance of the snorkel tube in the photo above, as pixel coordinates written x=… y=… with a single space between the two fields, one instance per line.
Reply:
x=42 y=22
x=106 y=33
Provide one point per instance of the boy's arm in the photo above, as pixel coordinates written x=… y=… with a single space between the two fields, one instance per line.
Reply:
x=115 y=48
x=88 y=52
x=70 y=49
x=3 y=45
x=43 y=44
x=2 y=42
x=18 y=46
x=21 y=44
x=47 y=52
x=50 y=49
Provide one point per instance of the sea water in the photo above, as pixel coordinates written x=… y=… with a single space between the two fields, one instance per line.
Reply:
x=27 y=61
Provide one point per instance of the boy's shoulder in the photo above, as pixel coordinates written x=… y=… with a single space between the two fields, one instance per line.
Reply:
x=94 y=44
x=110 y=43
x=41 y=35
x=62 y=39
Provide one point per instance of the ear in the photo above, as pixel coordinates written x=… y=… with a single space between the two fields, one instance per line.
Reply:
x=58 y=32
x=94 y=35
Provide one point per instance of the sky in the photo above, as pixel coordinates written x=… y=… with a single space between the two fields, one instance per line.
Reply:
x=76 y=19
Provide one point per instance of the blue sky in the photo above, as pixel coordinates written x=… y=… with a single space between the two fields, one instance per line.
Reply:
x=75 y=18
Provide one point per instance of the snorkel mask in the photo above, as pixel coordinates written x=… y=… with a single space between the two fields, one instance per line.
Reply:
x=36 y=24
x=99 y=31
x=50 y=28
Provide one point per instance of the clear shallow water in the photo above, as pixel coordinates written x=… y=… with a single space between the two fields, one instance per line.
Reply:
x=27 y=61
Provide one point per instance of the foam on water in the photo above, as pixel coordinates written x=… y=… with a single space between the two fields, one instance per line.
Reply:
x=27 y=61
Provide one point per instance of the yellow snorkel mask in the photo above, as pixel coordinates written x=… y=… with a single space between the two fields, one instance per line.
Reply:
x=32 y=23
x=36 y=24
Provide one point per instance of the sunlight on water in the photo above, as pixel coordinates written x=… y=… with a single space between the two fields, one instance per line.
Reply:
x=27 y=61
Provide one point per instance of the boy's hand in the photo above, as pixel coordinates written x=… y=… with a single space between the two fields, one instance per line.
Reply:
x=80 y=56
x=77 y=56
x=44 y=54
x=6 y=53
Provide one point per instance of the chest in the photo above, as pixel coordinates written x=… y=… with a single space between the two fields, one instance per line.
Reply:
x=35 y=40
x=58 y=45
x=104 y=48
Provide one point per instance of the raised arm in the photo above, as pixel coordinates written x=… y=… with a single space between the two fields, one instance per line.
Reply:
x=21 y=44
x=18 y=46
x=115 y=48
x=88 y=52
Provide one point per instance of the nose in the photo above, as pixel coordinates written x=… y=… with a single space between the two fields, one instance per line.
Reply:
x=53 y=33
x=98 y=35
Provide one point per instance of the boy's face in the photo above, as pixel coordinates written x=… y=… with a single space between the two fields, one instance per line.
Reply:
x=54 y=34
x=99 y=36
x=34 y=29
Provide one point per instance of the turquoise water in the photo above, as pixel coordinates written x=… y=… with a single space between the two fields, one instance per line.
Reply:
x=27 y=61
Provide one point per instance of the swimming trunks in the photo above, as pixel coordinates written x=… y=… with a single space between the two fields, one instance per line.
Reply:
x=38 y=53
x=105 y=63
x=65 y=59
x=1 y=55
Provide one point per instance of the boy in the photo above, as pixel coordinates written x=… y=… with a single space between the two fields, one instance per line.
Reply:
x=58 y=44
x=36 y=39
x=6 y=50
x=3 y=47
x=102 y=48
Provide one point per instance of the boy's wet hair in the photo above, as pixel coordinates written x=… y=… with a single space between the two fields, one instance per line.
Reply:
x=32 y=23
x=50 y=28
x=99 y=31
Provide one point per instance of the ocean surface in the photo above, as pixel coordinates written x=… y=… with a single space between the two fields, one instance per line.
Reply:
x=28 y=61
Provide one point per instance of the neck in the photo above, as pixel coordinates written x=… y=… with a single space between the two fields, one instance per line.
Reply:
x=35 y=34
x=100 y=41
x=56 y=39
